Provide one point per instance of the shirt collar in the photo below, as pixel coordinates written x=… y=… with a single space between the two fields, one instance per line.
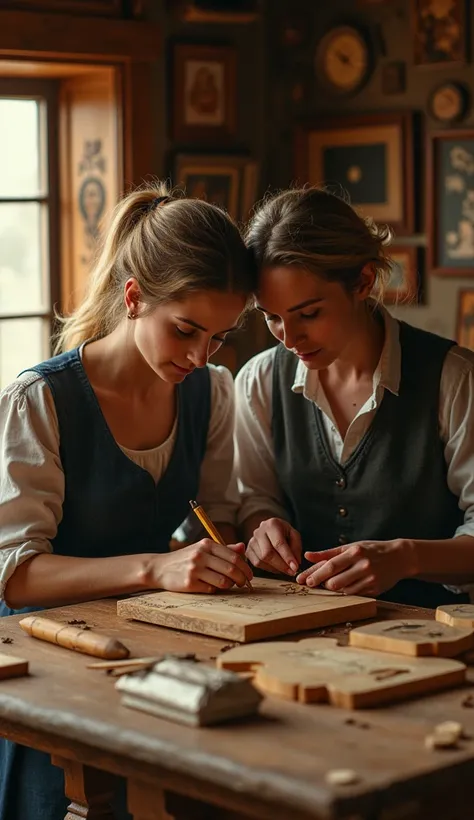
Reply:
x=387 y=373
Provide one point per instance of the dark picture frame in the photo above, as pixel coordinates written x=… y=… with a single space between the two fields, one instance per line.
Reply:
x=204 y=93
x=226 y=180
x=370 y=157
x=450 y=198
x=439 y=34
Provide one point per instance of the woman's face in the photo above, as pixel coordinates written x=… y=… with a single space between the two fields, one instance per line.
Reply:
x=316 y=319
x=179 y=336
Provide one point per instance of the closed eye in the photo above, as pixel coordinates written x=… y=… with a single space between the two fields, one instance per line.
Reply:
x=186 y=333
x=311 y=315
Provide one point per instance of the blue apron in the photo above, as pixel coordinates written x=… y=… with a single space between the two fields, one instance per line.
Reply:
x=111 y=507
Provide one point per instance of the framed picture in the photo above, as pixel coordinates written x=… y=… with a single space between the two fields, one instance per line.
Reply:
x=370 y=157
x=465 y=322
x=228 y=181
x=215 y=11
x=450 y=198
x=439 y=31
x=204 y=95
x=103 y=8
x=404 y=283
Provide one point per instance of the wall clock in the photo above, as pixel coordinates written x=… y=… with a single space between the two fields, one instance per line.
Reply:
x=343 y=60
x=448 y=102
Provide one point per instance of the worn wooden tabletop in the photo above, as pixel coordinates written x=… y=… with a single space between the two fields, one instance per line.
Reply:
x=272 y=766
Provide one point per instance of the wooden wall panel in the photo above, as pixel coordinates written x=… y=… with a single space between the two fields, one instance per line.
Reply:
x=91 y=173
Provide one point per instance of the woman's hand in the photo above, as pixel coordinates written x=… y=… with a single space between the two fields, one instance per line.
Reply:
x=201 y=567
x=361 y=568
x=275 y=547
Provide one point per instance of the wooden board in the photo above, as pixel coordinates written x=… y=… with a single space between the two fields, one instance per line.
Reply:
x=12 y=667
x=272 y=608
x=461 y=615
x=413 y=637
x=318 y=670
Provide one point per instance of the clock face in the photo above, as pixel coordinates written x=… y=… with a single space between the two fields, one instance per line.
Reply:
x=448 y=102
x=342 y=60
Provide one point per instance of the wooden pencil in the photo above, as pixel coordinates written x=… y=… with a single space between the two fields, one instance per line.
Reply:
x=211 y=530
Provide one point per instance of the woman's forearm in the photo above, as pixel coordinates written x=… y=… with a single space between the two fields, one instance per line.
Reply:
x=48 y=580
x=449 y=561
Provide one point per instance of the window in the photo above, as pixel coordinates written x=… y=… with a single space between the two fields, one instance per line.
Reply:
x=29 y=280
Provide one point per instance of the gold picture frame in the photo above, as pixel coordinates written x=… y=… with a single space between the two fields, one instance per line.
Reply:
x=404 y=284
x=369 y=156
x=465 y=319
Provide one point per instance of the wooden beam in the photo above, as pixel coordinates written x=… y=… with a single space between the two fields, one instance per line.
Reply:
x=59 y=36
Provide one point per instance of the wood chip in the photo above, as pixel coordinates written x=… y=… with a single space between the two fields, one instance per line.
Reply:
x=441 y=740
x=341 y=777
x=449 y=727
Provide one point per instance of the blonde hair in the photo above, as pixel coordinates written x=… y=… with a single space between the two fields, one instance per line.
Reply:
x=318 y=230
x=172 y=246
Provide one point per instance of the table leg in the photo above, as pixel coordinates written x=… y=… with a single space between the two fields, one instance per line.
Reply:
x=146 y=801
x=90 y=790
x=149 y=802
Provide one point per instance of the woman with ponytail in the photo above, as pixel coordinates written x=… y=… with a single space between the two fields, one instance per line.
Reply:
x=102 y=446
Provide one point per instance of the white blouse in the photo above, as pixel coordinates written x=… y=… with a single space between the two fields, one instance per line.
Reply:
x=256 y=472
x=32 y=478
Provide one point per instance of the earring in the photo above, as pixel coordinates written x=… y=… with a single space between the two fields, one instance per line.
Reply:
x=131 y=315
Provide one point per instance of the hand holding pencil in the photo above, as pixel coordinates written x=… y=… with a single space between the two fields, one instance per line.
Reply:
x=212 y=531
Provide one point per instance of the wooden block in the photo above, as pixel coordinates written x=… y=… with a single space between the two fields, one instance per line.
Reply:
x=461 y=615
x=12 y=667
x=318 y=670
x=413 y=637
x=272 y=608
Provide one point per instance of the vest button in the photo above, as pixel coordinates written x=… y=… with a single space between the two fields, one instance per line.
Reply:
x=342 y=512
x=342 y=539
x=341 y=482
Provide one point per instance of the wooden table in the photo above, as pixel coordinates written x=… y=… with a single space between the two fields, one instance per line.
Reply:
x=272 y=766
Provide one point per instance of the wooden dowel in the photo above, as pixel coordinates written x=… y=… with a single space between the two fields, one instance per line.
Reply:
x=72 y=637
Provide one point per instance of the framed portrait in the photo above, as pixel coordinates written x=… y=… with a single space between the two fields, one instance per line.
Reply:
x=370 y=157
x=450 y=198
x=204 y=96
x=228 y=181
x=404 y=282
x=439 y=31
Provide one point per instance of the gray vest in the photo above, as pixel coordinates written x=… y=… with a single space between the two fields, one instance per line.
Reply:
x=393 y=485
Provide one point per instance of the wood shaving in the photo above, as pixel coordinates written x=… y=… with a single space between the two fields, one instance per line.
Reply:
x=445 y=735
x=341 y=777
x=360 y=724
x=228 y=646
x=450 y=727
x=468 y=702
x=441 y=740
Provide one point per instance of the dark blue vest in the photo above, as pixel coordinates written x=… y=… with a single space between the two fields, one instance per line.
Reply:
x=111 y=507
x=394 y=484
